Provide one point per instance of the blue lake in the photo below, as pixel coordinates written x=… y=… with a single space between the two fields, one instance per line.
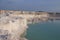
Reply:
x=44 y=31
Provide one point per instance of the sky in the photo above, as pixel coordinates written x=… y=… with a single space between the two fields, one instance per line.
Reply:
x=31 y=5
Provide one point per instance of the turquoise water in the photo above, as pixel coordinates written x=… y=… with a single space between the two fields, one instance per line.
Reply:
x=44 y=31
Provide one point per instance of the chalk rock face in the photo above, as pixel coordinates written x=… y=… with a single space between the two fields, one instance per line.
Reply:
x=12 y=27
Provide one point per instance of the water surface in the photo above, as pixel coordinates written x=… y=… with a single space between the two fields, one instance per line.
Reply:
x=44 y=31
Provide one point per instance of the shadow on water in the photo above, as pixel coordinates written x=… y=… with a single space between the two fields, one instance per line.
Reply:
x=44 y=31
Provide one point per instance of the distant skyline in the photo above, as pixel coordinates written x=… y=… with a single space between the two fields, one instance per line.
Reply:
x=31 y=5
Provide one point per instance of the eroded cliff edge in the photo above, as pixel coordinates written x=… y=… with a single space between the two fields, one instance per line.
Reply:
x=13 y=24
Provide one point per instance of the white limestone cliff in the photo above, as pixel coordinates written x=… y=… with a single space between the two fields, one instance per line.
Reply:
x=13 y=24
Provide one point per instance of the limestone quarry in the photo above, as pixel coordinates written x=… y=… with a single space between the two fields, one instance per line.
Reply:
x=13 y=24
